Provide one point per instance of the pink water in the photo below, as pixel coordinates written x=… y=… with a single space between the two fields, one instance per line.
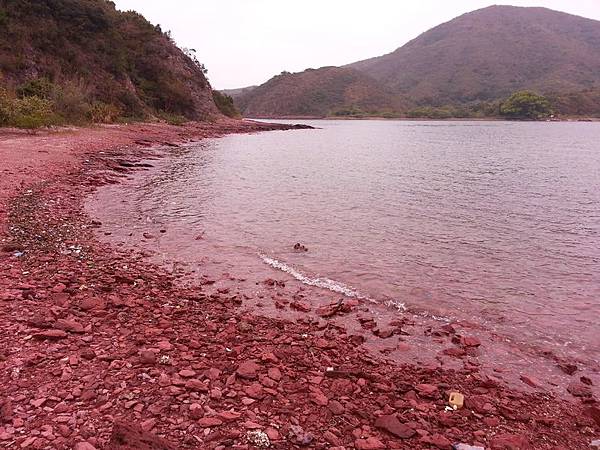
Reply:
x=489 y=222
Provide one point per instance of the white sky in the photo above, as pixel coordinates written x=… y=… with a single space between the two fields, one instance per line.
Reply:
x=246 y=42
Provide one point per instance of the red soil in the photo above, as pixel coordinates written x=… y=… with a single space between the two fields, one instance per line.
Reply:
x=99 y=349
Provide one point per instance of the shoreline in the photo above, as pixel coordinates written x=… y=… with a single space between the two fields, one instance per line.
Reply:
x=93 y=336
x=426 y=119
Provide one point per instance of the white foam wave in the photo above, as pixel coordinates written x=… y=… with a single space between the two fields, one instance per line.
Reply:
x=325 y=283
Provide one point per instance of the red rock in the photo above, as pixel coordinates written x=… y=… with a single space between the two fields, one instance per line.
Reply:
x=255 y=390
x=470 y=341
x=273 y=434
x=300 y=306
x=491 y=421
x=147 y=357
x=39 y=402
x=510 y=442
x=371 y=443
x=455 y=352
x=187 y=373
x=530 y=381
x=208 y=422
x=196 y=385
x=132 y=437
x=568 y=368
x=274 y=374
x=594 y=413
x=437 y=440
x=336 y=407
x=69 y=325
x=579 y=389
x=427 y=390
x=51 y=334
x=391 y=424
x=229 y=416
x=248 y=370
x=318 y=398
x=6 y=410
x=586 y=380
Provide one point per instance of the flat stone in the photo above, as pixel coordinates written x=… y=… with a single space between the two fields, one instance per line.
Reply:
x=391 y=424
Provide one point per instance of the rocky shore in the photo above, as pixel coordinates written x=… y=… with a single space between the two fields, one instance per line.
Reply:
x=100 y=349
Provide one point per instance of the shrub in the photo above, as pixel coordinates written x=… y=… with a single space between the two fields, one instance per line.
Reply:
x=32 y=112
x=100 y=112
x=38 y=87
x=71 y=102
x=526 y=105
x=225 y=104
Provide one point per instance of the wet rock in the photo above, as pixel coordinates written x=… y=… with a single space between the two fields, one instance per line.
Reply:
x=568 y=368
x=586 y=380
x=510 y=442
x=132 y=437
x=391 y=424
x=531 y=381
x=300 y=306
x=248 y=370
x=470 y=341
x=579 y=389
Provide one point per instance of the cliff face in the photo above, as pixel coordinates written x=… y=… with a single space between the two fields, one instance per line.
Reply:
x=86 y=49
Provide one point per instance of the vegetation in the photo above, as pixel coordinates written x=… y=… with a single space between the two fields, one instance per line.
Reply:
x=93 y=63
x=526 y=105
x=225 y=104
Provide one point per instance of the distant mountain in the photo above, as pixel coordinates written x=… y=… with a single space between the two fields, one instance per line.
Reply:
x=484 y=55
x=83 y=59
x=315 y=92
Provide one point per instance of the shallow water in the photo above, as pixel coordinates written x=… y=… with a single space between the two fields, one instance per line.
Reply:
x=489 y=222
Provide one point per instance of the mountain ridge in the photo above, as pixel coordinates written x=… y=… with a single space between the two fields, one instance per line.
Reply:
x=481 y=56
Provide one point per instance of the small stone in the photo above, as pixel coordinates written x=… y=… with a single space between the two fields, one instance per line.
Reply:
x=51 y=335
x=371 y=443
x=391 y=424
x=187 y=373
x=209 y=422
x=248 y=370
x=147 y=357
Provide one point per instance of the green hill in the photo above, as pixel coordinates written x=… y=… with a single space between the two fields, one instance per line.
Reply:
x=83 y=60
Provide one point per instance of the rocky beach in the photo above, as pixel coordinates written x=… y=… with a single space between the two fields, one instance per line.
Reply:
x=101 y=349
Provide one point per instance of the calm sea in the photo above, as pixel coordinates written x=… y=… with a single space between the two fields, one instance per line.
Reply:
x=491 y=222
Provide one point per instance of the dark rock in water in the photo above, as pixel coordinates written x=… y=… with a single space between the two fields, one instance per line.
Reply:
x=300 y=248
x=579 y=389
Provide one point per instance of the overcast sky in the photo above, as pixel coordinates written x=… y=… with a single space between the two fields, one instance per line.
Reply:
x=246 y=42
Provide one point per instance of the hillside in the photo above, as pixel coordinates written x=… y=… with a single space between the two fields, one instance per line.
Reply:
x=84 y=59
x=315 y=92
x=482 y=56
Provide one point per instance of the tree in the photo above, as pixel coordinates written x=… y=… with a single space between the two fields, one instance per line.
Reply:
x=526 y=105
